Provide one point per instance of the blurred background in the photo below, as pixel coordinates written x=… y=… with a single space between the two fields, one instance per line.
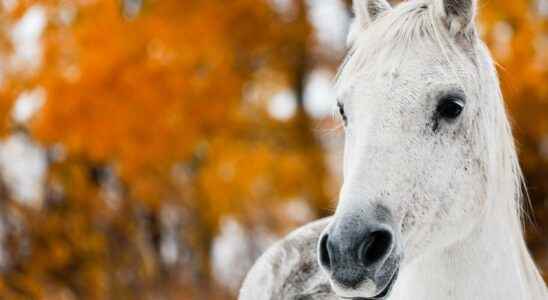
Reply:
x=152 y=149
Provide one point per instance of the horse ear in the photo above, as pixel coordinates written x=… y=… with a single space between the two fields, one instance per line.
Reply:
x=458 y=14
x=368 y=11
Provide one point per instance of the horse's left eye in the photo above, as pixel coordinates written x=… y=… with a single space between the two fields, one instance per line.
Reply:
x=342 y=113
x=450 y=107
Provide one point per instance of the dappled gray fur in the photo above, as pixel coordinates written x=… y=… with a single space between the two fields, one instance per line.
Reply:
x=289 y=270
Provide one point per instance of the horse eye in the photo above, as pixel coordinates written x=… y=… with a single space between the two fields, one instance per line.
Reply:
x=342 y=113
x=450 y=107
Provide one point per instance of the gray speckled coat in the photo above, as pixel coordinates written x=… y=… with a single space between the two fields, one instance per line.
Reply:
x=289 y=269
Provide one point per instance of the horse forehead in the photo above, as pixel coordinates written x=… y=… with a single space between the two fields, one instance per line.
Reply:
x=414 y=70
x=393 y=87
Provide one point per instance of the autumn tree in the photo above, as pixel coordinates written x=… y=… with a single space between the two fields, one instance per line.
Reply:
x=146 y=103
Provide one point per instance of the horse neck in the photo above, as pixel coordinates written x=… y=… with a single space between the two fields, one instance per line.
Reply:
x=491 y=263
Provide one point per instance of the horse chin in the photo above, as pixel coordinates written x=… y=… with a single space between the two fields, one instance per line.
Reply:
x=384 y=294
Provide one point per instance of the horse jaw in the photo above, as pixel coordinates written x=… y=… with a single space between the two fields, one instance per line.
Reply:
x=491 y=263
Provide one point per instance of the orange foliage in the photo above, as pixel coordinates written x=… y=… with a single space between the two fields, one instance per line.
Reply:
x=156 y=99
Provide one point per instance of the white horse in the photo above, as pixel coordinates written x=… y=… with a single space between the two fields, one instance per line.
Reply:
x=430 y=207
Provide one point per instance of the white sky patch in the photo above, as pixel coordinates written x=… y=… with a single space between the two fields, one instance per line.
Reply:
x=542 y=7
x=26 y=35
x=319 y=94
x=9 y=5
x=503 y=34
x=299 y=211
x=230 y=254
x=283 y=105
x=67 y=13
x=28 y=104
x=284 y=7
x=169 y=244
x=331 y=19
x=132 y=7
x=234 y=251
x=23 y=165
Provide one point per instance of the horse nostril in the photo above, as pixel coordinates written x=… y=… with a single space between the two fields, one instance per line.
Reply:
x=324 y=252
x=376 y=246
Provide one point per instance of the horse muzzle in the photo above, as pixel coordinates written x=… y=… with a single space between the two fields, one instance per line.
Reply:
x=361 y=255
